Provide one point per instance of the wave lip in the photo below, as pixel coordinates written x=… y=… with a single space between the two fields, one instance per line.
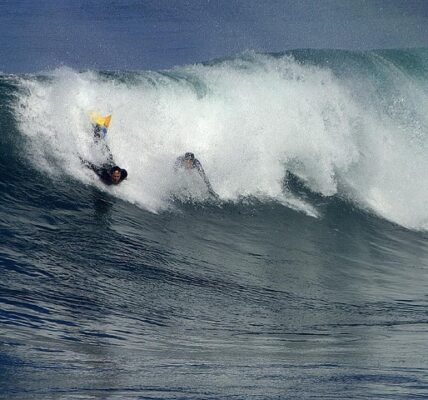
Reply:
x=347 y=124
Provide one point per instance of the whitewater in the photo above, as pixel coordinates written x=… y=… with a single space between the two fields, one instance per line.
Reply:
x=348 y=125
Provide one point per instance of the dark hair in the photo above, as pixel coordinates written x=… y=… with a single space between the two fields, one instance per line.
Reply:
x=114 y=169
x=189 y=156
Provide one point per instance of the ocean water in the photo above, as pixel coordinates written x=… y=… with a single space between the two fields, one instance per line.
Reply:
x=308 y=279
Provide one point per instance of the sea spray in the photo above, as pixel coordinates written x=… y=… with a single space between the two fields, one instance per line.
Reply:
x=353 y=128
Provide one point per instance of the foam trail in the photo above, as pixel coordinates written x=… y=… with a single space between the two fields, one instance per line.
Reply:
x=248 y=120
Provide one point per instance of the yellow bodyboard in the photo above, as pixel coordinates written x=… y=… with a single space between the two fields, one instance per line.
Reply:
x=100 y=120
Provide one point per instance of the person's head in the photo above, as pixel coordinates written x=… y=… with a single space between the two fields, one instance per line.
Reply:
x=116 y=174
x=188 y=160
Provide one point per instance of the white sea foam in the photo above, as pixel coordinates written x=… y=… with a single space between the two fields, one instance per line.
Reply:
x=248 y=121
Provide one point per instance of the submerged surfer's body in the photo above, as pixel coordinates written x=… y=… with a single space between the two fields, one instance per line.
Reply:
x=189 y=162
x=108 y=172
x=99 y=135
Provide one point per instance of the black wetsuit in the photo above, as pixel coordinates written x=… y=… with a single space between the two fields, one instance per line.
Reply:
x=103 y=171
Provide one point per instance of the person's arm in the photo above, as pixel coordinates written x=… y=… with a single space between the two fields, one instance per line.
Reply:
x=201 y=172
x=100 y=170
x=96 y=168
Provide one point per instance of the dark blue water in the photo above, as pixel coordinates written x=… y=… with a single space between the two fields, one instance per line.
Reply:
x=308 y=279
x=103 y=300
